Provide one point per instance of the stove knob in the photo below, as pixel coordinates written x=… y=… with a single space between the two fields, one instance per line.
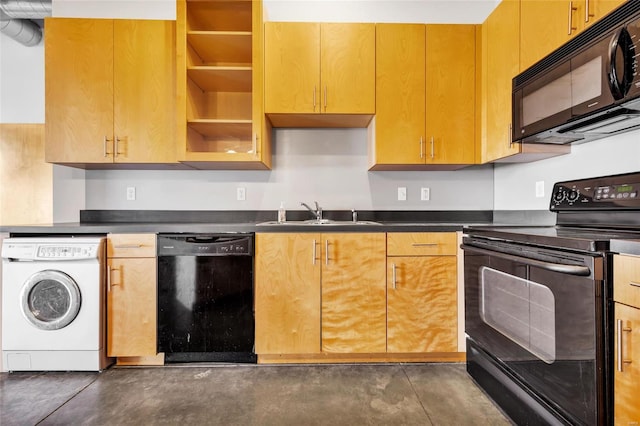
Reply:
x=559 y=196
x=573 y=196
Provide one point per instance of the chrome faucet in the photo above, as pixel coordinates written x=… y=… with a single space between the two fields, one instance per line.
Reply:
x=317 y=212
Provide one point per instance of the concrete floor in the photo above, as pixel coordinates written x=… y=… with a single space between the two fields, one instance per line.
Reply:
x=382 y=394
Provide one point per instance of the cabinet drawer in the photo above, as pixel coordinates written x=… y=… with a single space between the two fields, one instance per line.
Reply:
x=131 y=245
x=626 y=280
x=421 y=243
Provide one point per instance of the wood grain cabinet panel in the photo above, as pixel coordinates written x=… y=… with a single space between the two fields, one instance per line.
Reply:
x=425 y=111
x=627 y=369
x=353 y=293
x=131 y=295
x=287 y=293
x=109 y=91
x=422 y=295
x=421 y=304
x=626 y=294
x=319 y=68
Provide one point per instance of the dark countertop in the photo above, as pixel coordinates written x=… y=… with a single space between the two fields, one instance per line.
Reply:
x=631 y=247
x=154 y=221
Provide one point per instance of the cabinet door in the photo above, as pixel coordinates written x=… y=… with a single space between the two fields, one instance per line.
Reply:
x=144 y=91
x=347 y=68
x=600 y=8
x=287 y=293
x=544 y=28
x=292 y=67
x=78 y=90
x=131 y=307
x=450 y=94
x=422 y=304
x=400 y=94
x=503 y=63
x=627 y=391
x=353 y=293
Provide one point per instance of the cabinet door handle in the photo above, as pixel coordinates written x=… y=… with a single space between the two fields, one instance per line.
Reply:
x=106 y=140
x=393 y=275
x=110 y=282
x=634 y=283
x=432 y=149
x=255 y=143
x=510 y=135
x=424 y=244
x=116 y=149
x=421 y=147
x=314 y=252
x=314 y=98
x=128 y=246
x=325 y=98
x=587 y=15
x=620 y=328
x=326 y=252
x=571 y=9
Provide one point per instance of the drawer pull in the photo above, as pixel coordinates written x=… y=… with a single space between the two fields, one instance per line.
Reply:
x=634 y=283
x=128 y=246
x=424 y=244
x=620 y=328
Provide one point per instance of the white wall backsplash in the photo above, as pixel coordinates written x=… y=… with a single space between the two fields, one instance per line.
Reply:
x=515 y=183
x=410 y=11
x=325 y=165
x=124 y=9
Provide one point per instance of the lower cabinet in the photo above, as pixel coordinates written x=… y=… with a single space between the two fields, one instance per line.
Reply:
x=131 y=295
x=626 y=293
x=337 y=296
x=422 y=292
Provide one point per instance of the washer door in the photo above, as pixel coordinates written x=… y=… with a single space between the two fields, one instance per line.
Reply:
x=50 y=300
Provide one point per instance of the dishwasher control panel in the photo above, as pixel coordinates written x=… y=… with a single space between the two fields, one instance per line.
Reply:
x=205 y=244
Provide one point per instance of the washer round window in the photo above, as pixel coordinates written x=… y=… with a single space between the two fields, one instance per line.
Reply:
x=50 y=300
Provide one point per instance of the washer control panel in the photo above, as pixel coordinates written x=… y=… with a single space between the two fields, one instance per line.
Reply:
x=619 y=192
x=56 y=249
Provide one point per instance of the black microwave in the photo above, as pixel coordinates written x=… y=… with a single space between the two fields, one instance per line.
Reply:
x=587 y=89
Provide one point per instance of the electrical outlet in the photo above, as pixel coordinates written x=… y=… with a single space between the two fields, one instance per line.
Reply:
x=241 y=194
x=540 y=189
x=425 y=193
x=131 y=193
x=402 y=193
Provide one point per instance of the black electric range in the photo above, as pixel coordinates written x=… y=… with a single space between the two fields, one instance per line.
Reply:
x=539 y=308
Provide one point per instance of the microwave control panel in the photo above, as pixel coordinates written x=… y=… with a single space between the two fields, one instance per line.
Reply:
x=620 y=192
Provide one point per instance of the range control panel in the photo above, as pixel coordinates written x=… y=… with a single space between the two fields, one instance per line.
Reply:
x=619 y=192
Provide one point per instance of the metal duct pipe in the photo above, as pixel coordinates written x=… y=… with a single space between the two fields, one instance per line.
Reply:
x=23 y=31
x=26 y=9
x=15 y=19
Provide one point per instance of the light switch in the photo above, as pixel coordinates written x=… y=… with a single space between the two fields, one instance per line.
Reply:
x=241 y=194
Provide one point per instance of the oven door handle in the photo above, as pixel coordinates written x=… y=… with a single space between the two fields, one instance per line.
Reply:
x=580 y=270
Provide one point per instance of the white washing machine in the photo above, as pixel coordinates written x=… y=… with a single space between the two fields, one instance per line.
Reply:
x=53 y=304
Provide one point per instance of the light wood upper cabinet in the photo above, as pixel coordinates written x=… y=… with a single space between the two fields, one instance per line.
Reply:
x=353 y=293
x=548 y=24
x=450 y=90
x=425 y=110
x=400 y=94
x=422 y=292
x=131 y=295
x=109 y=91
x=313 y=68
x=287 y=293
x=220 y=81
x=500 y=57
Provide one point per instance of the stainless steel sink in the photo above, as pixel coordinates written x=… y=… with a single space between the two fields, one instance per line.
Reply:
x=320 y=222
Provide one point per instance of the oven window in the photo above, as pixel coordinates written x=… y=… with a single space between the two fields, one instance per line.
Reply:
x=520 y=309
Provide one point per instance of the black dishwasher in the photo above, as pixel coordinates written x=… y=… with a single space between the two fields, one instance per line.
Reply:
x=205 y=297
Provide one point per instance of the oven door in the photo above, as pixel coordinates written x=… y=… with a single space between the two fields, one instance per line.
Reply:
x=542 y=322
